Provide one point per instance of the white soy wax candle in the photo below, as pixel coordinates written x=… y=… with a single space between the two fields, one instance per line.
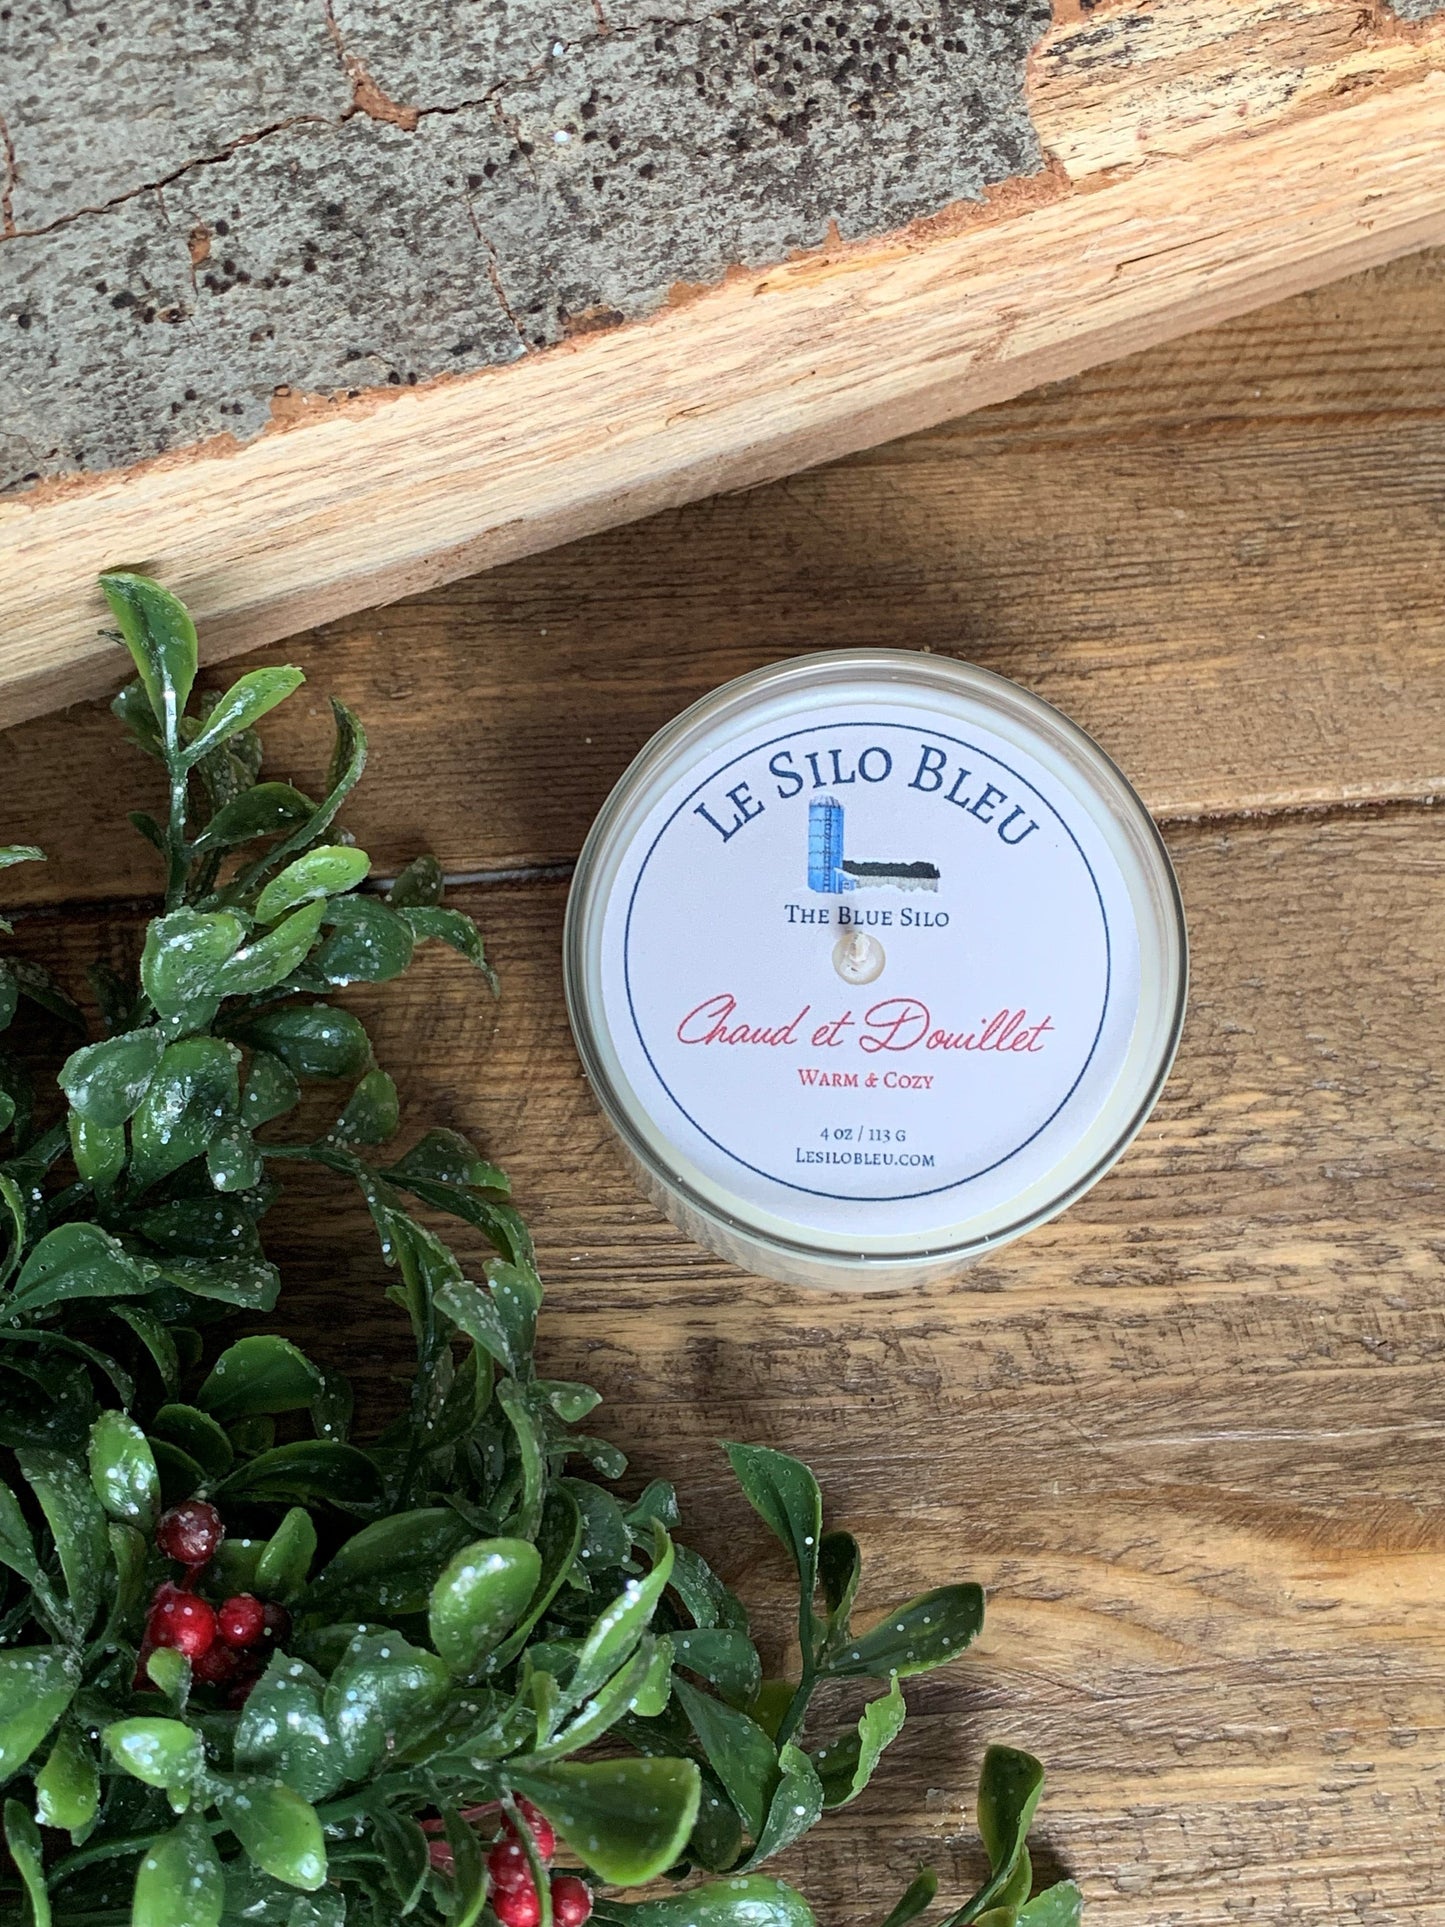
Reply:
x=874 y=961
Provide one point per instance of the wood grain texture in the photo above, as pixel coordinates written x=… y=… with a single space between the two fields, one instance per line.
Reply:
x=1190 y=1436
x=1222 y=557
x=1240 y=165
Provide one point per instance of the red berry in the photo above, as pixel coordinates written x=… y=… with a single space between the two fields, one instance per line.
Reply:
x=275 y=1624
x=517 y=1907
x=541 y=1828
x=508 y=1867
x=571 y=1901
x=241 y=1621
x=190 y=1533
x=179 y=1618
x=218 y=1666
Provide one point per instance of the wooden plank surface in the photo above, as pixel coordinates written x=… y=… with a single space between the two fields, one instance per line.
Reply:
x=1206 y=159
x=1191 y=1435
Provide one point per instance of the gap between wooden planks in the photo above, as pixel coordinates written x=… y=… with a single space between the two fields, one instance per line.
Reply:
x=783 y=369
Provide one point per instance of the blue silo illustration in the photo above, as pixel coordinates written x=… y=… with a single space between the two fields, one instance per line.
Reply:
x=825 y=847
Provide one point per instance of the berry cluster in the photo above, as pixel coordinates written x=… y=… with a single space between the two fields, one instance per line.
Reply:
x=514 y=1896
x=228 y=1644
x=515 y=1900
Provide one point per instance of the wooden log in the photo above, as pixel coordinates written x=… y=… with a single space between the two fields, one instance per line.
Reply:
x=1205 y=159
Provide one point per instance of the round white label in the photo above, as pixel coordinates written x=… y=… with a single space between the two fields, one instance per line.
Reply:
x=871 y=970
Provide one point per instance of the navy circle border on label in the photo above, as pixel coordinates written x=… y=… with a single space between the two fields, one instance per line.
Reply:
x=807 y=1190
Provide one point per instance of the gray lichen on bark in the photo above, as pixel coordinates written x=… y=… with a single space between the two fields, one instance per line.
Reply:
x=206 y=204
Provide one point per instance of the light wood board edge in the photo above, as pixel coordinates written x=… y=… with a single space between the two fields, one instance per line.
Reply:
x=772 y=372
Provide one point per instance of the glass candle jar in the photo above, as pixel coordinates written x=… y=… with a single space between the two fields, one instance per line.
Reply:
x=874 y=961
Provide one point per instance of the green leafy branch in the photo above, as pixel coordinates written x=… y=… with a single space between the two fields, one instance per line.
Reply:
x=461 y=1613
